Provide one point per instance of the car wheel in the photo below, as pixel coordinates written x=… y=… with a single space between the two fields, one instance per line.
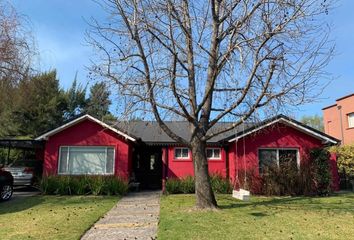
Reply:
x=6 y=192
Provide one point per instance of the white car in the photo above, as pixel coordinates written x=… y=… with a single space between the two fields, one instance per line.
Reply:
x=23 y=172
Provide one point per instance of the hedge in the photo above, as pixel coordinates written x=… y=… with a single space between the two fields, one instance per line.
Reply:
x=83 y=185
x=187 y=185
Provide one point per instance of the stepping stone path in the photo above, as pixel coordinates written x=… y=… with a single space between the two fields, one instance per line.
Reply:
x=135 y=216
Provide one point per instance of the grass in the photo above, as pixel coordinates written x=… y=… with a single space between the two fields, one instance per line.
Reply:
x=262 y=218
x=51 y=217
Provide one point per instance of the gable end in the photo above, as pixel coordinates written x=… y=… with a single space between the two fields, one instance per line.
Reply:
x=46 y=135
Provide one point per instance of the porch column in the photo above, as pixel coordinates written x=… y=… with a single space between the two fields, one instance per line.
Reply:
x=164 y=168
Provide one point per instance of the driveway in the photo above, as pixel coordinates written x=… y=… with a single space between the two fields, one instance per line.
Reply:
x=21 y=192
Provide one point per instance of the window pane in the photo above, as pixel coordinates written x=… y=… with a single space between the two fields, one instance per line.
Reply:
x=351 y=120
x=87 y=160
x=216 y=153
x=63 y=160
x=209 y=153
x=267 y=158
x=178 y=152
x=185 y=152
x=288 y=157
x=110 y=160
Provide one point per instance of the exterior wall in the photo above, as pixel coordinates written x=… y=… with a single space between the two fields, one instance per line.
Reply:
x=238 y=157
x=39 y=154
x=331 y=122
x=179 y=168
x=275 y=136
x=87 y=133
x=335 y=119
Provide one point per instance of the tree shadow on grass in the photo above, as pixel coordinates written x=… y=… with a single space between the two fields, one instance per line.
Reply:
x=340 y=203
x=259 y=214
x=73 y=200
x=19 y=204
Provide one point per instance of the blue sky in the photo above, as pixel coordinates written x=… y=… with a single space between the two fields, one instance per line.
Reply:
x=59 y=27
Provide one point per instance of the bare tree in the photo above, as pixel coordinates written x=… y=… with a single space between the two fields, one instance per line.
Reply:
x=211 y=61
x=16 y=44
x=16 y=52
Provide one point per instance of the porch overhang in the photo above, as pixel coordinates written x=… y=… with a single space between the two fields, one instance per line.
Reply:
x=21 y=143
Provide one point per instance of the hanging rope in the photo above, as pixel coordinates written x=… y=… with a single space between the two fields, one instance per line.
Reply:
x=241 y=193
x=236 y=181
x=244 y=156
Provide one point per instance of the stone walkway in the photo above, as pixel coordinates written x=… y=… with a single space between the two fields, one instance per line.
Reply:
x=135 y=216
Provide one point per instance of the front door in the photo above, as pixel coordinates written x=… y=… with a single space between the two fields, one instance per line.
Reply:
x=148 y=167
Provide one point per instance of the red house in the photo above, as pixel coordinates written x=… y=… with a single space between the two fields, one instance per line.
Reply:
x=144 y=152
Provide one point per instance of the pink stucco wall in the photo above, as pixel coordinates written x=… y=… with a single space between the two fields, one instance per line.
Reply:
x=336 y=121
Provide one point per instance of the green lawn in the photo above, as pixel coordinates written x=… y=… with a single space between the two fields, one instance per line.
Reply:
x=51 y=217
x=262 y=218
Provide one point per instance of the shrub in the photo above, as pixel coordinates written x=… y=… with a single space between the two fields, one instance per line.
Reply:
x=184 y=185
x=78 y=185
x=96 y=184
x=64 y=185
x=313 y=178
x=248 y=179
x=187 y=185
x=114 y=187
x=283 y=180
x=321 y=171
x=220 y=184
x=82 y=185
x=49 y=185
x=345 y=158
x=173 y=186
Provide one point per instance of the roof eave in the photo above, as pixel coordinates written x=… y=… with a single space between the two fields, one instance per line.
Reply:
x=46 y=135
x=308 y=130
x=330 y=106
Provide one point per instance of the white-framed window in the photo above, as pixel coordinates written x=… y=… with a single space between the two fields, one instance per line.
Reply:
x=91 y=160
x=181 y=153
x=213 y=153
x=269 y=157
x=351 y=120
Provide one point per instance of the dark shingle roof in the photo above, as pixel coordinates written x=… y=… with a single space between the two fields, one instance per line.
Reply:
x=151 y=133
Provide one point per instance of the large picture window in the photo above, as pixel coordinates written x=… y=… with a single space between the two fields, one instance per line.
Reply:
x=277 y=157
x=86 y=160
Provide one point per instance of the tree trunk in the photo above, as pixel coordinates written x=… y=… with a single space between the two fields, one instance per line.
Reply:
x=205 y=197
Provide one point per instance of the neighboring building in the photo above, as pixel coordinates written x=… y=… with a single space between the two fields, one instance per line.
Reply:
x=338 y=119
x=144 y=152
